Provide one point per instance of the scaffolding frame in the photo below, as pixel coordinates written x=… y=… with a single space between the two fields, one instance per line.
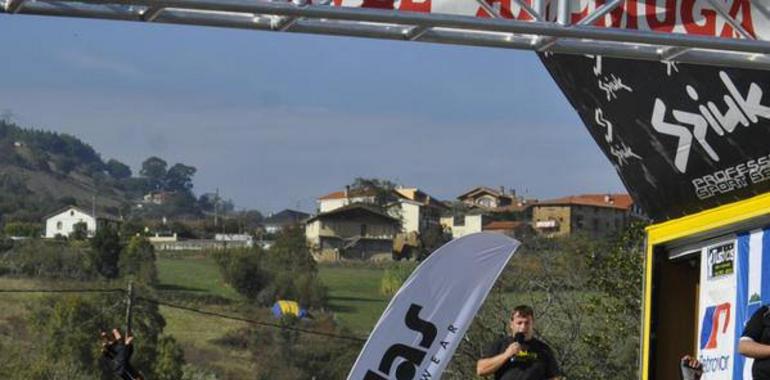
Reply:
x=538 y=34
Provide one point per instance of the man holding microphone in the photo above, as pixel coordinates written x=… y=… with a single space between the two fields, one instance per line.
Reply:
x=519 y=356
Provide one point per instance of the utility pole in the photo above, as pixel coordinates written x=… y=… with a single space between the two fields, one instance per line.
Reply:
x=129 y=304
x=216 y=209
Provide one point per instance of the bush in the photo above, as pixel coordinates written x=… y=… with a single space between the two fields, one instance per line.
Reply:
x=60 y=260
x=302 y=356
x=395 y=276
x=242 y=269
x=79 y=231
x=168 y=365
x=105 y=251
x=22 y=229
x=138 y=261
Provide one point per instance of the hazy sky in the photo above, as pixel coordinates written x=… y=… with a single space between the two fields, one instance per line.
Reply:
x=275 y=120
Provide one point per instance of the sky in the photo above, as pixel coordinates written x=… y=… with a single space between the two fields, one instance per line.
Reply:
x=275 y=120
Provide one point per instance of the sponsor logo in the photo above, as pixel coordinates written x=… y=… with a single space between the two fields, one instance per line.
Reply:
x=737 y=110
x=618 y=149
x=710 y=325
x=410 y=357
x=720 y=260
x=719 y=363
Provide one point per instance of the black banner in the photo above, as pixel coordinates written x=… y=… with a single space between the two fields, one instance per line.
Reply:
x=684 y=138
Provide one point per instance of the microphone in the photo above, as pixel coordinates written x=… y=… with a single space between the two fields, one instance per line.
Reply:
x=517 y=338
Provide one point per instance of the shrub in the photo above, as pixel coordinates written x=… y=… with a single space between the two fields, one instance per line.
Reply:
x=395 y=276
x=38 y=258
x=138 y=261
x=242 y=269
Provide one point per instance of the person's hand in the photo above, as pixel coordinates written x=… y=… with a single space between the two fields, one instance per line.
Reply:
x=693 y=365
x=513 y=350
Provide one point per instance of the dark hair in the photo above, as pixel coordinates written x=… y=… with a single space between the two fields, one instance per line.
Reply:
x=523 y=311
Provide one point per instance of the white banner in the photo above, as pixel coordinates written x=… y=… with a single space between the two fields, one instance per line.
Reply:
x=717 y=310
x=428 y=317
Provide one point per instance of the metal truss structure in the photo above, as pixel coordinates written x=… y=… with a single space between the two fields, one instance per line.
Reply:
x=537 y=34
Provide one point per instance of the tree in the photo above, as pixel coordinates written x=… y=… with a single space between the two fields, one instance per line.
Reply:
x=66 y=325
x=105 y=251
x=118 y=170
x=79 y=231
x=294 y=271
x=170 y=360
x=154 y=169
x=290 y=252
x=179 y=178
x=382 y=189
x=586 y=295
x=138 y=261
x=23 y=229
x=242 y=269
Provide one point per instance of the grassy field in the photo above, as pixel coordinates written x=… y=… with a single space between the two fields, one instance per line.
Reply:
x=354 y=295
x=193 y=274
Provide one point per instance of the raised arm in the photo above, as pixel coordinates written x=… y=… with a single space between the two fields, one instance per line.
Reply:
x=490 y=365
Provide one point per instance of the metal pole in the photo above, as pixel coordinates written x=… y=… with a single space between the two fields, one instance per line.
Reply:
x=129 y=304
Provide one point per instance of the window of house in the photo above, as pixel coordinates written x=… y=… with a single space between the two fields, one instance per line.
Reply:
x=363 y=230
x=579 y=221
x=58 y=225
x=72 y=213
x=596 y=224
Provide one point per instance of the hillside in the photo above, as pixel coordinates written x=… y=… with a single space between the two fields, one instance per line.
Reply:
x=41 y=171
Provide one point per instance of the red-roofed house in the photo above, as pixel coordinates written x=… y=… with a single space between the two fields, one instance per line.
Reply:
x=514 y=229
x=337 y=199
x=593 y=214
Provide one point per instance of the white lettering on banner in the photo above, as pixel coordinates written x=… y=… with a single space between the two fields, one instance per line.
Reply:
x=670 y=67
x=598 y=65
x=732 y=178
x=620 y=150
x=611 y=85
x=740 y=110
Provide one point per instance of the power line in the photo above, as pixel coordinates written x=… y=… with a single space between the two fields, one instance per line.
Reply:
x=252 y=321
x=85 y=290
x=190 y=309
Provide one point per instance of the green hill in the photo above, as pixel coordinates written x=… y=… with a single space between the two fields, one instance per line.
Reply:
x=41 y=171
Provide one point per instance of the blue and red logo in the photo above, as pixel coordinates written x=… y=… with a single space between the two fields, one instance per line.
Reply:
x=710 y=325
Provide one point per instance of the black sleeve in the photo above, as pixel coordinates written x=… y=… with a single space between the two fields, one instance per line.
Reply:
x=493 y=349
x=755 y=326
x=552 y=367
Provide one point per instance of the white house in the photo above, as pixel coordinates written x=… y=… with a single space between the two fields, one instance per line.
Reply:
x=464 y=225
x=63 y=221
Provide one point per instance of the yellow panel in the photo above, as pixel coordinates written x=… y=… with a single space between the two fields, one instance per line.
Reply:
x=708 y=220
x=683 y=227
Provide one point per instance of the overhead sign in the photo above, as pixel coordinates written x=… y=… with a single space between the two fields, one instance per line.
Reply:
x=683 y=138
x=425 y=321
x=698 y=17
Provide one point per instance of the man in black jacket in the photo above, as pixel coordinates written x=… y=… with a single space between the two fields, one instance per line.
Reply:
x=755 y=343
x=519 y=356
